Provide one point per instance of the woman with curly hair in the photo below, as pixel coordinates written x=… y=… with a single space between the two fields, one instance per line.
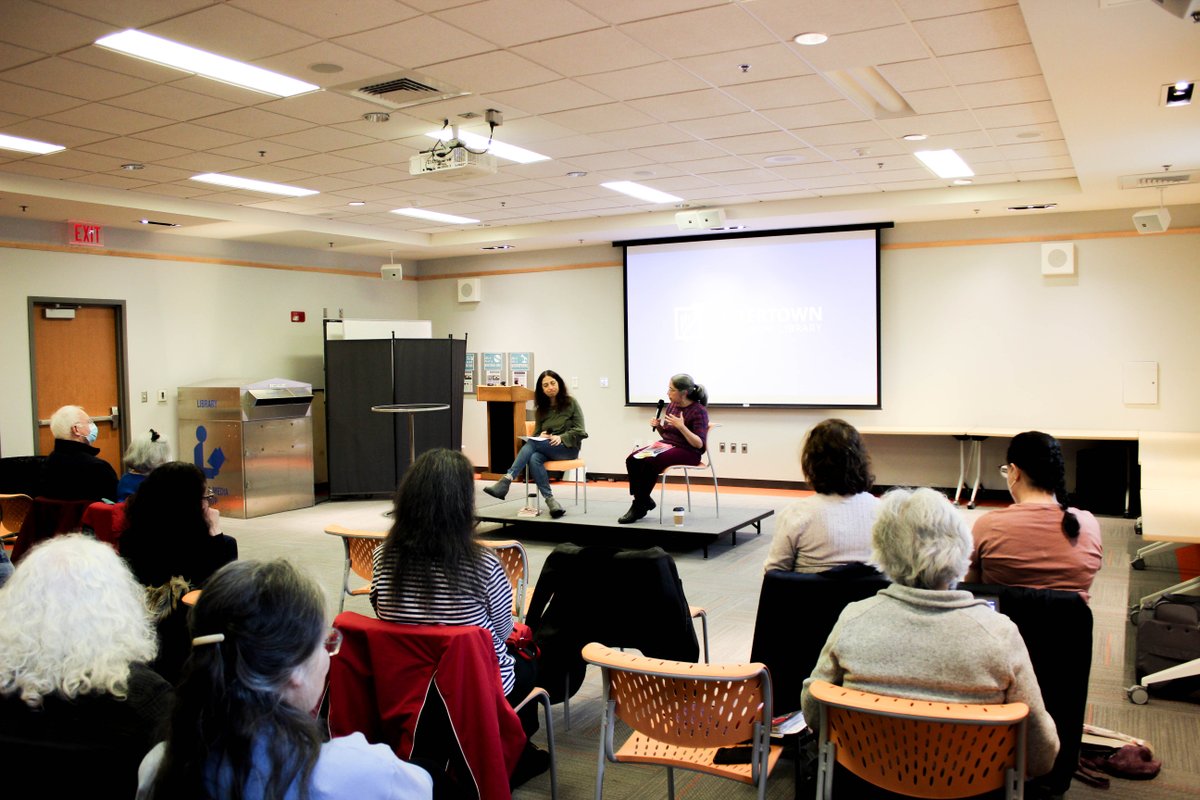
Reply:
x=78 y=706
x=1040 y=541
x=833 y=527
x=243 y=726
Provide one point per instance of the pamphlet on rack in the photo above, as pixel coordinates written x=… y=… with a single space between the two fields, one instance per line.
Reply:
x=651 y=450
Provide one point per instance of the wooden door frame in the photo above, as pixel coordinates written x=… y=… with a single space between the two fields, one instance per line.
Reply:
x=122 y=358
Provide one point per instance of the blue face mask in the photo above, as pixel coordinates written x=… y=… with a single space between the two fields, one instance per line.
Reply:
x=92 y=433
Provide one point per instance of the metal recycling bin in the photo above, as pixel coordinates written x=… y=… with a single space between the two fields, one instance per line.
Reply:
x=253 y=440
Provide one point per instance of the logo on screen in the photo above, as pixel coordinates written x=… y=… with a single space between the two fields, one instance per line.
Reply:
x=688 y=323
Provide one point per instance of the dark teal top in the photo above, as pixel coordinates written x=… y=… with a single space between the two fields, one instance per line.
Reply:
x=566 y=422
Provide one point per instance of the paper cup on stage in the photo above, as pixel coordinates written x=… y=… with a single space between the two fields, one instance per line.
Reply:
x=678 y=513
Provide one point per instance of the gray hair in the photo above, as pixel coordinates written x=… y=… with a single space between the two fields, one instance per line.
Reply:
x=64 y=419
x=920 y=540
x=146 y=453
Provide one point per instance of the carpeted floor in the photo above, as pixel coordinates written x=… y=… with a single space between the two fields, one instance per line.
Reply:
x=727 y=585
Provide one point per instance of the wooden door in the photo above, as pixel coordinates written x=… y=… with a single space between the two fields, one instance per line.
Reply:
x=76 y=361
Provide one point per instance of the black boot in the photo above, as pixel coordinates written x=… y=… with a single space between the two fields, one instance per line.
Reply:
x=499 y=489
x=636 y=511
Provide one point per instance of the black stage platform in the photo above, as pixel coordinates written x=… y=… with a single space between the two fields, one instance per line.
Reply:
x=701 y=528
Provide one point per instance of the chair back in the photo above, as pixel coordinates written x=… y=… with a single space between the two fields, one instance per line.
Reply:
x=515 y=560
x=920 y=748
x=430 y=692
x=47 y=518
x=105 y=521
x=796 y=612
x=359 y=547
x=13 y=510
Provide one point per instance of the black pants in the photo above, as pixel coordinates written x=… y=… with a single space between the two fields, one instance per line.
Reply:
x=525 y=673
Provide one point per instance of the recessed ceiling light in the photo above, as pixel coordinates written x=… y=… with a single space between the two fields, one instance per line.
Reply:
x=810 y=39
x=576 y=173
x=132 y=167
x=1034 y=207
x=325 y=69
x=945 y=163
x=377 y=116
x=356 y=203
x=914 y=137
x=508 y=152
x=641 y=192
x=1179 y=94
x=234 y=182
x=201 y=62
x=434 y=216
x=498 y=247
x=786 y=158
x=28 y=145
x=963 y=181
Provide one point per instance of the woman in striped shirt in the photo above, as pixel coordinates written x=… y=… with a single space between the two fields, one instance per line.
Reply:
x=431 y=571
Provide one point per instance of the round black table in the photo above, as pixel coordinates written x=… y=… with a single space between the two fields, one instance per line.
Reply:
x=410 y=409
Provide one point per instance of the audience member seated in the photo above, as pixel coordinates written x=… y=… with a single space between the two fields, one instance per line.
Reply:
x=833 y=527
x=141 y=459
x=431 y=571
x=74 y=470
x=922 y=638
x=1038 y=542
x=173 y=529
x=244 y=725
x=78 y=707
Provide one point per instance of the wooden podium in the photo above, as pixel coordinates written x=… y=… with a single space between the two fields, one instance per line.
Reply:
x=506 y=422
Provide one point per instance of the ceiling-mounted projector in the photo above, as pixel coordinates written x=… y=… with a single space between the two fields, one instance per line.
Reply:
x=1151 y=220
x=706 y=218
x=454 y=163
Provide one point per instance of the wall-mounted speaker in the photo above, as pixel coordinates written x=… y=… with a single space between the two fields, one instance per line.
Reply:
x=1152 y=220
x=470 y=290
x=1058 y=258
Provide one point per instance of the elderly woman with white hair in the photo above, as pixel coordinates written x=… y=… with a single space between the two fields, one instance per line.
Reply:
x=922 y=638
x=141 y=458
x=78 y=708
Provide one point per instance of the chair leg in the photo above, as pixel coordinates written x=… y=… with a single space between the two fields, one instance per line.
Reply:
x=584 y=490
x=688 y=483
x=542 y=697
x=670 y=783
x=696 y=611
x=662 y=493
x=567 y=703
x=716 y=490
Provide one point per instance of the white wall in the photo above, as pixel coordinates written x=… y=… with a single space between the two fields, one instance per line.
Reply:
x=185 y=322
x=973 y=336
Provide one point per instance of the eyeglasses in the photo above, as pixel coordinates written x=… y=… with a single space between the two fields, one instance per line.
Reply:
x=210 y=497
x=333 y=641
x=1004 y=470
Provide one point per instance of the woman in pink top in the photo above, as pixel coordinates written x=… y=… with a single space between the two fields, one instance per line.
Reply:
x=1038 y=542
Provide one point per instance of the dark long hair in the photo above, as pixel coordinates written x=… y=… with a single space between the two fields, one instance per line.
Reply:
x=835 y=460
x=691 y=390
x=1040 y=458
x=433 y=532
x=544 y=403
x=167 y=527
x=228 y=704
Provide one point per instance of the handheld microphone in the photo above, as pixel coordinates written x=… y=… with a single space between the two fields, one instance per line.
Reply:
x=658 y=414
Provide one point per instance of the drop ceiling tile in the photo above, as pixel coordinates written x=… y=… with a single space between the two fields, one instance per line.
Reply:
x=981 y=30
x=1034 y=164
x=374 y=176
x=324 y=19
x=823 y=184
x=688 y=105
x=663 y=77
x=253 y=122
x=322 y=139
x=785 y=92
x=74 y=79
x=646 y=136
x=322 y=164
x=1046 y=175
x=174 y=190
x=596 y=119
x=40 y=169
x=924 y=9
x=883 y=148
x=619 y=11
x=198 y=163
x=935 y=101
x=1003 y=93
x=914 y=184
x=1018 y=61
x=738 y=177
x=981 y=155
x=911 y=76
x=682 y=151
x=816 y=115
x=112 y=61
x=550 y=97
x=83 y=161
x=321 y=108
x=932 y=124
x=512 y=22
x=956 y=141
x=354 y=66
x=1027 y=133
x=110 y=119
x=755 y=143
x=172 y=102
x=790 y=17
x=378 y=153
x=807 y=173
x=1029 y=150
x=327 y=183
x=129 y=13
x=128 y=149
x=260 y=151
x=157 y=173
x=492 y=72
x=12 y=56
x=1020 y=114
x=529 y=131
x=602 y=50
x=111 y=181
x=424 y=41
x=707 y=166
x=55 y=132
x=193 y=137
x=682 y=183
x=231 y=32
x=27 y=101
x=398 y=127
x=716 y=29
x=49 y=30
x=866 y=48
x=728 y=125
x=767 y=62
x=621 y=159
x=223 y=91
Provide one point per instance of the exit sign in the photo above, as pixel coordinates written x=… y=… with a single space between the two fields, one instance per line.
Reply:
x=87 y=234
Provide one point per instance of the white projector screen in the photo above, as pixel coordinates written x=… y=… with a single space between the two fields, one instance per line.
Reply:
x=760 y=320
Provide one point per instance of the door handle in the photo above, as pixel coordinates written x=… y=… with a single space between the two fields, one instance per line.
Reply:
x=115 y=417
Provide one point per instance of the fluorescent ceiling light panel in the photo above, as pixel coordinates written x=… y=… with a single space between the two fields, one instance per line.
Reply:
x=200 y=62
x=509 y=152
x=28 y=145
x=434 y=216
x=641 y=192
x=234 y=182
x=945 y=163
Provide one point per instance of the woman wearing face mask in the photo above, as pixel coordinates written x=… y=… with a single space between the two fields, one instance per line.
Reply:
x=1038 y=542
x=74 y=471
x=559 y=423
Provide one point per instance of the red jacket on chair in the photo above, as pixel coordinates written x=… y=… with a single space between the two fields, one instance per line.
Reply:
x=381 y=679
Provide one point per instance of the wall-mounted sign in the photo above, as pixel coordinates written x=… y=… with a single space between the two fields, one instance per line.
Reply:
x=87 y=234
x=469 y=374
x=493 y=369
x=519 y=367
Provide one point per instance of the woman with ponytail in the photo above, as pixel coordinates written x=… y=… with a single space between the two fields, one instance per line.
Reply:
x=243 y=726
x=1039 y=541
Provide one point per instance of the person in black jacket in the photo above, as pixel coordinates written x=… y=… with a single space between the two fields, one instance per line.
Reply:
x=74 y=471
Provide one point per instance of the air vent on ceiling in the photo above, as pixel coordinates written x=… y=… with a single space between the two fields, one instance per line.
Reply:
x=1153 y=180
x=399 y=90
